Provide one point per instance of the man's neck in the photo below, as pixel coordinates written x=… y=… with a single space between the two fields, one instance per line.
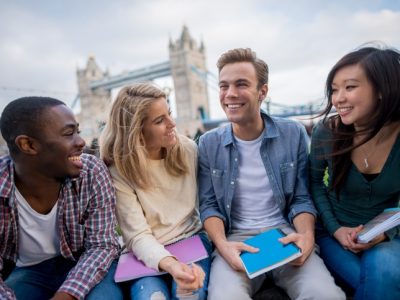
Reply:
x=39 y=191
x=248 y=131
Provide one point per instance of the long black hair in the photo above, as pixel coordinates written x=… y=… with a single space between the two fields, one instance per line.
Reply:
x=382 y=69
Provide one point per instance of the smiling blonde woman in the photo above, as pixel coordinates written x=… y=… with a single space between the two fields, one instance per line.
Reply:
x=154 y=173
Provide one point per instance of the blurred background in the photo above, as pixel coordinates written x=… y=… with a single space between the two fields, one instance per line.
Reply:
x=82 y=52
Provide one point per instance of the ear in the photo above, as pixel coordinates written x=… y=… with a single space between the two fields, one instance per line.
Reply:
x=262 y=93
x=26 y=144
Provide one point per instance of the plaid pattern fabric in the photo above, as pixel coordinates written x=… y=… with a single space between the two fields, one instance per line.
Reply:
x=86 y=224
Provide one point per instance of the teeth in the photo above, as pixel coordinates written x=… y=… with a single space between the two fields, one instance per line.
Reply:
x=345 y=109
x=233 y=105
x=75 y=158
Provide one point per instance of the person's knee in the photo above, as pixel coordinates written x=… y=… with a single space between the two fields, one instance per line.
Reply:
x=225 y=293
x=321 y=291
x=232 y=290
x=381 y=269
x=158 y=296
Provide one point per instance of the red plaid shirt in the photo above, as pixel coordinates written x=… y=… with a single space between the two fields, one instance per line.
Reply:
x=86 y=224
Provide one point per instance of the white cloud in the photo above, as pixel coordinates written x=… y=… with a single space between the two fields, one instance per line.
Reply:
x=42 y=43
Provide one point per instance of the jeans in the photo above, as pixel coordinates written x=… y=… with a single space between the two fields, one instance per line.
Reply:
x=41 y=281
x=164 y=287
x=371 y=274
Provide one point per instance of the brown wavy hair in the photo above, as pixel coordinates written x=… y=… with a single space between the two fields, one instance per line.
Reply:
x=245 y=55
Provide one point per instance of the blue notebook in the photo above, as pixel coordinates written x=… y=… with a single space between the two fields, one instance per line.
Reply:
x=272 y=253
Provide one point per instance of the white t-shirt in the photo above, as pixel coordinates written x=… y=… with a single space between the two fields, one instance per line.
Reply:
x=38 y=238
x=253 y=205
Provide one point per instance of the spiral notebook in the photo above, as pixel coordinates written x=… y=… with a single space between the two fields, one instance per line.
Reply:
x=386 y=220
x=272 y=253
x=188 y=250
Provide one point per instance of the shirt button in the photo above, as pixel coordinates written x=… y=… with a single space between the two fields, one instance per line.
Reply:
x=291 y=164
x=235 y=159
x=213 y=171
x=232 y=182
x=227 y=206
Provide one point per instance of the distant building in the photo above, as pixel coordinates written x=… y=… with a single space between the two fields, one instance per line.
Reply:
x=186 y=65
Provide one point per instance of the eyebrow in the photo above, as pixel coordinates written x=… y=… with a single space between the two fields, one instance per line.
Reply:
x=240 y=80
x=346 y=81
x=71 y=125
x=352 y=79
x=158 y=117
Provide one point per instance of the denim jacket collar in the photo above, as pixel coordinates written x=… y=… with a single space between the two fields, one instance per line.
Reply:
x=269 y=124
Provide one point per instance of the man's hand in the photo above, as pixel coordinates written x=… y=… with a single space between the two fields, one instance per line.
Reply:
x=305 y=241
x=304 y=238
x=62 y=296
x=230 y=251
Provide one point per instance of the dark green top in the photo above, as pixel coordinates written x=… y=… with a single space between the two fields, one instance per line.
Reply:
x=360 y=199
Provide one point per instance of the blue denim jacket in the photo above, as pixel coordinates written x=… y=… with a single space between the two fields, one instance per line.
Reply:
x=284 y=151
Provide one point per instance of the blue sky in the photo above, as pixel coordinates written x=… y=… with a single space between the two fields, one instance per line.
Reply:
x=42 y=43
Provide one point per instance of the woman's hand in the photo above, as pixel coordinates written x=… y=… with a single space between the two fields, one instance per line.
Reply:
x=358 y=247
x=347 y=237
x=187 y=278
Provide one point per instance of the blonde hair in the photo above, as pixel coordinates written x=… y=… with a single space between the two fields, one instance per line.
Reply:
x=122 y=143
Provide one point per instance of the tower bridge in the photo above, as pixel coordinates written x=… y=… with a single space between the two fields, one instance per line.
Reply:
x=149 y=73
x=191 y=90
x=191 y=79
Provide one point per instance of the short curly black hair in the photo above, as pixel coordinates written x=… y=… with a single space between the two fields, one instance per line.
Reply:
x=24 y=116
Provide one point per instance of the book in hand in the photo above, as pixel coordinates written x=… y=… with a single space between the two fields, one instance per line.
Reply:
x=188 y=250
x=386 y=220
x=272 y=253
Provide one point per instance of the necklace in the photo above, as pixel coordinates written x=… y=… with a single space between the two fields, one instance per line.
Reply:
x=366 y=156
x=366 y=161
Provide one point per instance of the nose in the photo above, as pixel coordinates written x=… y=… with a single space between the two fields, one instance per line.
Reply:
x=338 y=97
x=171 y=122
x=80 y=142
x=231 y=91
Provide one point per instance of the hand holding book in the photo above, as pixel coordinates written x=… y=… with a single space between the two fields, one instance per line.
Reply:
x=386 y=220
x=230 y=251
x=186 y=251
x=272 y=253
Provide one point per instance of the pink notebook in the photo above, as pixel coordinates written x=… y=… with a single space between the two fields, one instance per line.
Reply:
x=187 y=250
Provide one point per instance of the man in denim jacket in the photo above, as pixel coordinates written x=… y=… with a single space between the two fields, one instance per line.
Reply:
x=253 y=177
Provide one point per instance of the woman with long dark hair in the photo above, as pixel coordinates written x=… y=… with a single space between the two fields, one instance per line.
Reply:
x=355 y=170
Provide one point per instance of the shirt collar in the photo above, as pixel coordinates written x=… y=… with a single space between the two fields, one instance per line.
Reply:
x=7 y=177
x=270 y=132
x=7 y=182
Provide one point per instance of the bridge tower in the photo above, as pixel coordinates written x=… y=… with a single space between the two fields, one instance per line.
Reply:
x=94 y=102
x=189 y=71
x=187 y=65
